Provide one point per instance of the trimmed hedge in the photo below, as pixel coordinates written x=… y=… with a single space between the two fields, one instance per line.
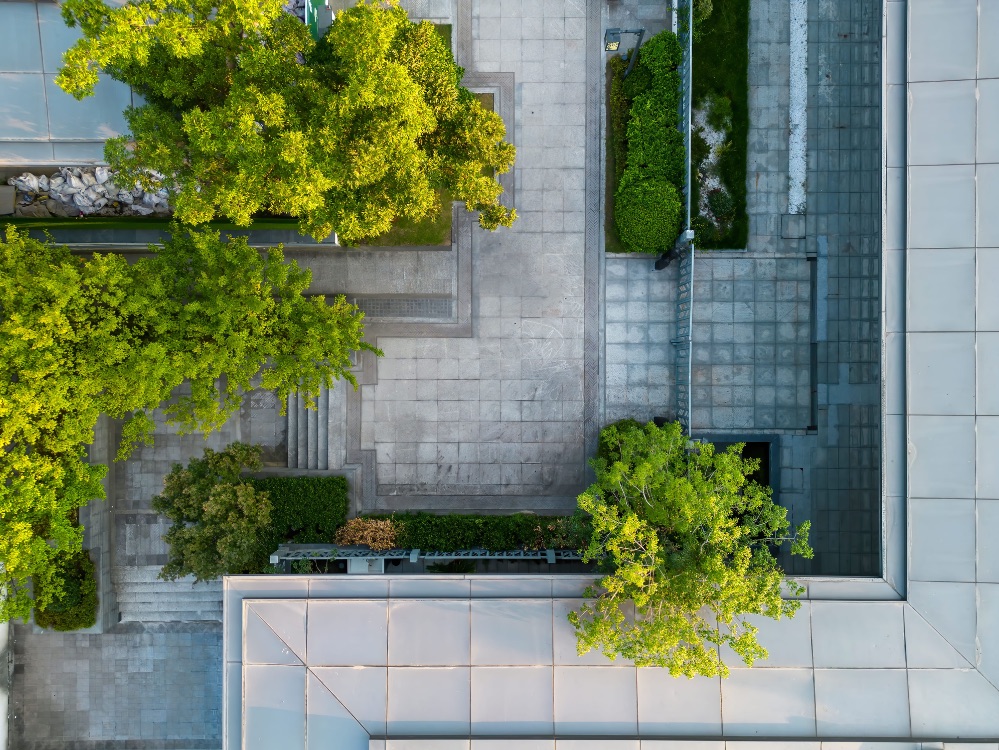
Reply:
x=648 y=214
x=452 y=532
x=305 y=510
x=647 y=221
x=77 y=608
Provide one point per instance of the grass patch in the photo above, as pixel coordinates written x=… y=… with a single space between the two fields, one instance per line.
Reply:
x=721 y=70
x=432 y=230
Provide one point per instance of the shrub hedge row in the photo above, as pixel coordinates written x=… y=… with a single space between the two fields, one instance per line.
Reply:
x=305 y=510
x=451 y=532
x=648 y=211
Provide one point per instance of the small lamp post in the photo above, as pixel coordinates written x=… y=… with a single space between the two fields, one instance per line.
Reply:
x=612 y=43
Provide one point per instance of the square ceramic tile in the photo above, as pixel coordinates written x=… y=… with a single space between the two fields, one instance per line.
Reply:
x=232 y=708
x=236 y=589
x=988 y=302
x=942 y=122
x=327 y=718
x=944 y=701
x=859 y=634
x=273 y=707
x=987 y=435
x=261 y=645
x=769 y=702
x=513 y=588
x=987 y=521
x=478 y=744
x=361 y=690
x=512 y=700
x=988 y=32
x=941 y=206
x=987 y=353
x=286 y=618
x=595 y=700
x=940 y=294
x=97 y=117
x=428 y=632
x=988 y=200
x=56 y=36
x=894 y=290
x=669 y=704
x=950 y=609
x=788 y=641
x=926 y=648
x=942 y=40
x=20 y=51
x=941 y=456
x=428 y=700
x=348 y=633
x=22 y=106
x=894 y=374
x=510 y=632
x=941 y=540
x=988 y=120
x=861 y=702
x=941 y=373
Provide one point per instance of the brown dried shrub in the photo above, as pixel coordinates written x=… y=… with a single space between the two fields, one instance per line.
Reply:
x=376 y=533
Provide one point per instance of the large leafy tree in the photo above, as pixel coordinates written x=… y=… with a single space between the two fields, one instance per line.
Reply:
x=85 y=336
x=687 y=538
x=219 y=519
x=244 y=113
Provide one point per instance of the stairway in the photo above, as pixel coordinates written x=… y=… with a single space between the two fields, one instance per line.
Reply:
x=142 y=597
x=309 y=431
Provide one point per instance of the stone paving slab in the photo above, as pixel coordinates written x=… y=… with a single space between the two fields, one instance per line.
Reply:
x=639 y=358
x=157 y=689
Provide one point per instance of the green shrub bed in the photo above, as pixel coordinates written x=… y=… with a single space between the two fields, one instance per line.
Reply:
x=454 y=531
x=76 y=609
x=304 y=510
x=646 y=150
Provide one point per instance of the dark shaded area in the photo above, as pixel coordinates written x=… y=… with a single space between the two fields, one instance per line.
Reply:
x=721 y=69
x=842 y=460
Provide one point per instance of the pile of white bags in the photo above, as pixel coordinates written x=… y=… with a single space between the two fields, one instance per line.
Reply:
x=85 y=190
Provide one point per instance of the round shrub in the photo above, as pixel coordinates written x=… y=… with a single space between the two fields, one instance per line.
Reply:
x=77 y=607
x=648 y=214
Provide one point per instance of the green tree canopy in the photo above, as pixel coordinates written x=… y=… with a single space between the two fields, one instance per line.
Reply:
x=688 y=540
x=218 y=518
x=84 y=336
x=245 y=114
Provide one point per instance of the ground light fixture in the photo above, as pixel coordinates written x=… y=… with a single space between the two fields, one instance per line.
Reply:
x=612 y=43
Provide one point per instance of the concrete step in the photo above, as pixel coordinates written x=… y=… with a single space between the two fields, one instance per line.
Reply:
x=180 y=616
x=130 y=596
x=143 y=597
x=308 y=432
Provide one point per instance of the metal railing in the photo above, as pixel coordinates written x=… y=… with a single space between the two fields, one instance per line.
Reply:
x=683 y=341
x=291 y=552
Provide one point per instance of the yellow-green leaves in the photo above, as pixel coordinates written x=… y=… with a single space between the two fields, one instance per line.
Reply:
x=687 y=537
x=244 y=114
x=85 y=336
